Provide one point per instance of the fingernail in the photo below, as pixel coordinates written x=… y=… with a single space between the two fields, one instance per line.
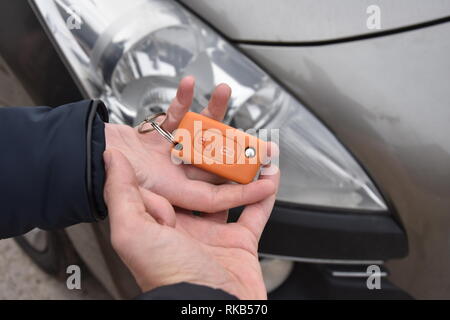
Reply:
x=190 y=77
x=107 y=159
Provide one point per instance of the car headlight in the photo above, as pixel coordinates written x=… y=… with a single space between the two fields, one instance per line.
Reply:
x=133 y=53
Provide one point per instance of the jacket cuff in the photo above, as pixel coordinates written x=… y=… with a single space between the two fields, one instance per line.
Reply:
x=95 y=168
x=186 y=291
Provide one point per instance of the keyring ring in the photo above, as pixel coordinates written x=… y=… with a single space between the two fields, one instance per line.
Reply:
x=150 y=119
x=157 y=126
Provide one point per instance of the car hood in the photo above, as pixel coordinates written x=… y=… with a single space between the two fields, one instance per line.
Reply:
x=311 y=20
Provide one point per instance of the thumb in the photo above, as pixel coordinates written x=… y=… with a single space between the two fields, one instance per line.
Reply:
x=121 y=192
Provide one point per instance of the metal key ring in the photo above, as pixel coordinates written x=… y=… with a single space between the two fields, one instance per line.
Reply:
x=150 y=119
x=157 y=126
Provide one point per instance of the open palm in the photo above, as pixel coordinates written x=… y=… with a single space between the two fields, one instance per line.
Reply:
x=164 y=245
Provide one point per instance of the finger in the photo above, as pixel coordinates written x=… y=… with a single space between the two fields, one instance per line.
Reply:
x=159 y=208
x=121 y=191
x=272 y=149
x=270 y=163
x=219 y=217
x=217 y=106
x=255 y=216
x=180 y=104
x=205 y=197
x=195 y=173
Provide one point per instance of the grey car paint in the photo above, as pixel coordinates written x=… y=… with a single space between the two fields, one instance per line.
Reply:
x=12 y=91
x=388 y=100
x=311 y=20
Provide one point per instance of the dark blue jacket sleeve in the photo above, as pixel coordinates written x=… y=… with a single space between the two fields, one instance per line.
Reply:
x=51 y=166
x=185 y=291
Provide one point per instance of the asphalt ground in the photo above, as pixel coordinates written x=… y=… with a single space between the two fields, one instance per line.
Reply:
x=21 y=279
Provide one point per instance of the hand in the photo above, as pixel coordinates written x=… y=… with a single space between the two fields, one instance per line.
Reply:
x=203 y=250
x=184 y=186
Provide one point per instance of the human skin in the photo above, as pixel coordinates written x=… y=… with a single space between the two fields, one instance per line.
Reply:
x=203 y=250
x=150 y=202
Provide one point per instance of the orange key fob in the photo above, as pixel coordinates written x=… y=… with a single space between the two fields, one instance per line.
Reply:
x=215 y=147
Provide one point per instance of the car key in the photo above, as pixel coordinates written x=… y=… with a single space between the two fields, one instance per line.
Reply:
x=215 y=147
x=219 y=148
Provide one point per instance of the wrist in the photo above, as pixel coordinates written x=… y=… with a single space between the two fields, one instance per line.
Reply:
x=111 y=135
x=226 y=283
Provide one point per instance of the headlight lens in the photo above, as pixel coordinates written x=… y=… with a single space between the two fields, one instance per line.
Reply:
x=133 y=53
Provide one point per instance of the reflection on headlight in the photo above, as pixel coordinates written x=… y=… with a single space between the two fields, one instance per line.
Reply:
x=133 y=53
